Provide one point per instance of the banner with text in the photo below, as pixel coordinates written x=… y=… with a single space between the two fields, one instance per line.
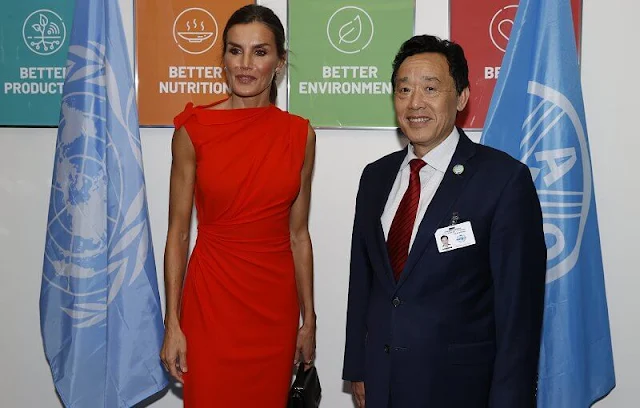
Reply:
x=340 y=59
x=34 y=42
x=482 y=28
x=179 y=55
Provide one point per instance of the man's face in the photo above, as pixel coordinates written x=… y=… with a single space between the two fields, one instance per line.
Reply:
x=426 y=101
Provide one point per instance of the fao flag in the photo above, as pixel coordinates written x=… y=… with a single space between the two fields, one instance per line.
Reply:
x=537 y=115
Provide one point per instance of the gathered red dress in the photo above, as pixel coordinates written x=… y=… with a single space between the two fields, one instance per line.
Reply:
x=239 y=303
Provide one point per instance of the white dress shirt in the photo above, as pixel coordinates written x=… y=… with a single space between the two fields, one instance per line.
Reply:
x=431 y=176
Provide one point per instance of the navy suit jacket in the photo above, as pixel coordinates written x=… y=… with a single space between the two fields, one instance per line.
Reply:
x=460 y=329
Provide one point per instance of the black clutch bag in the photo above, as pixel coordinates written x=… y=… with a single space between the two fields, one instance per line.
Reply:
x=305 y=390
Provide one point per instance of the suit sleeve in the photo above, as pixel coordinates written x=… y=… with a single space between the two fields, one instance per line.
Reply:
x=518 y=258
x=358 y=301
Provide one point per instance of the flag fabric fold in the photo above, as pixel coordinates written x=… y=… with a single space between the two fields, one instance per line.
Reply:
x=537 y=115
x=100 y=312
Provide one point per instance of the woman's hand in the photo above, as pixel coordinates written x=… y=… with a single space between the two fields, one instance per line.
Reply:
x=306 y=344
x=174 y=352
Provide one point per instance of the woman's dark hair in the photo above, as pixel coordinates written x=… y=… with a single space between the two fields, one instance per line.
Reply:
x=458 y=68
x=254 y=13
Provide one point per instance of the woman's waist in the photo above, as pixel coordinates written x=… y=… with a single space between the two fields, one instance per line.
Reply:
x=248 y=236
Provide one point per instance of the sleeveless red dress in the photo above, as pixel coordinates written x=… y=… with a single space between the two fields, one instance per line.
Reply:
x=239 y=302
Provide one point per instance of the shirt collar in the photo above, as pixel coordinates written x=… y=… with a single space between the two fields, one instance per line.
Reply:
x=440 y=156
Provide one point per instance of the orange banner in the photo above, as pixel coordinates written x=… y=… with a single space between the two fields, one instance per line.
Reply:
x=179 y=55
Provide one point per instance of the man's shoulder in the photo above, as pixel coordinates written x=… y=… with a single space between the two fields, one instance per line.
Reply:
x=498 y=170
x=495 y=158
x=492 y=165
x=387 y=162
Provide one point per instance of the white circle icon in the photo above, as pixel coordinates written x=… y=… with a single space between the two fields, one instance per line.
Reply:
x=44 y=32
x=350 y=29
x=195 y=30
x=501 y=25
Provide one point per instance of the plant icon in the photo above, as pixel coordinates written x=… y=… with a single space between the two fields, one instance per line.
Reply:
x=44 y=32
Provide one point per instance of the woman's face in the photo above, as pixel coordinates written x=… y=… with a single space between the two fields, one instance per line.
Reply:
x=251 y=59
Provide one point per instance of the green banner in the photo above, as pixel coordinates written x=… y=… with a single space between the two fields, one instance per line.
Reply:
x=340 y=55
x=34 y=38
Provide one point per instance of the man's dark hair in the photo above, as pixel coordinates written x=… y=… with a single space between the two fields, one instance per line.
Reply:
x=419 y=44
x=254 y=13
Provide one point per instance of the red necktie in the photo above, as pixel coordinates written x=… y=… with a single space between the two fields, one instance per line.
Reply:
x=402 y=225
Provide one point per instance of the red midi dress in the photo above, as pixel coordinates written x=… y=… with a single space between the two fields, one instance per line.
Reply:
x=239 y=307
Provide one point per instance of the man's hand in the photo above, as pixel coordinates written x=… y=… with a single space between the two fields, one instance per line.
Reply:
x=357 y=389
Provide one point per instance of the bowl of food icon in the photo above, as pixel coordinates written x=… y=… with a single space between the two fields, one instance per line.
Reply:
x=194 y=36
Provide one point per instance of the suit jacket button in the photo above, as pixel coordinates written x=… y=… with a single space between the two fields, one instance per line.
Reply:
x=386 y=348
x=396 y=302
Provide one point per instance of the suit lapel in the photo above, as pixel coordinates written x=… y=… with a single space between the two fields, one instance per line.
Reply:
x=450 y=188
x=386 y=180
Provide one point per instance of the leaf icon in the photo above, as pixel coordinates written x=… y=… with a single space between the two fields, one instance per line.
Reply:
x=134 y=209
x=78 y=314
x=92 y=306
x=43 y=20
x=141 y=254
x=126 y=240
x=92 y=322
x=351 y=31
x=116 y=282
x=84 y=72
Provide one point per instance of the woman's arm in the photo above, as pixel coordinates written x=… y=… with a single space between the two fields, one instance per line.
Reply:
x=303 y=254
x=183 y=170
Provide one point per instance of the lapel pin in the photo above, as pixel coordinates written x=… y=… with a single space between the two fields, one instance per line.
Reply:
x=458 y=169
x=454 y=219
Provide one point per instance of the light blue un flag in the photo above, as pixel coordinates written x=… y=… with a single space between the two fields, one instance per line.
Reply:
x=537 y=115
x=99 y=305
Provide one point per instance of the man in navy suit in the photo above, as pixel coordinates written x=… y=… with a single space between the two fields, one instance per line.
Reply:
x=433 y=322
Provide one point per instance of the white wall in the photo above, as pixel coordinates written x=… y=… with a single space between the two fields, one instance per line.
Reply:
x=26 y=159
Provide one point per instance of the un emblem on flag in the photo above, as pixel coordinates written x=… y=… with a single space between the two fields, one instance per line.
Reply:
x=554 y=146
x=77 y=231
x=97 y=235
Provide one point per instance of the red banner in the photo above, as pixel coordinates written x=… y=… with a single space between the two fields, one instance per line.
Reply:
x=482 y=28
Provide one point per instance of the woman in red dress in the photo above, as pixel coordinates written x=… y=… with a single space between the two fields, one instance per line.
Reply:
x=232 y=328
